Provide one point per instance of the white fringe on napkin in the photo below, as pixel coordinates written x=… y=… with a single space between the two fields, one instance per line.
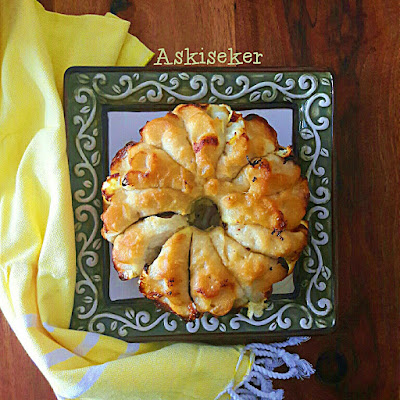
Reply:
x=257 y=383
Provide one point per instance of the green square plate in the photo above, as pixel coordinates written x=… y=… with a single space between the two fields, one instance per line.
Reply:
x=90 y=92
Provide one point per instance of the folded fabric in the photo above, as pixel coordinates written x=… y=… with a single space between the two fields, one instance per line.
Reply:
x=37 y=248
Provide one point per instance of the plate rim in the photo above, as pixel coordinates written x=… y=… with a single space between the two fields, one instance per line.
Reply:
x=210 y=336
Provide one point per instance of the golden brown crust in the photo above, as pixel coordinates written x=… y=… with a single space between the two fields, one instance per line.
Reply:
x=249 y=208
x=292 y=202
x=169 y=133
x=268 y=175
x=195 y=152
x=246 y=138
x=212 y=288
x=255 y=124
x=166 y=280
x=128 y=206
x=120 y=157
x=141 y=242
x=207 y=136
x=154 y=168
x=110 y=186
x=271 y=243
x=254 y=272
x=281 y=210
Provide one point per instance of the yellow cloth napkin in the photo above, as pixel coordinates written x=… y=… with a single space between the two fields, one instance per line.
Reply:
x=37 y=248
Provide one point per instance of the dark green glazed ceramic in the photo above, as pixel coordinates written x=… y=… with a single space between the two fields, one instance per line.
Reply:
x=90 y=92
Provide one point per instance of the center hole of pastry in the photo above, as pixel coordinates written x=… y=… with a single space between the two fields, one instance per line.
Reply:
x=204 y=214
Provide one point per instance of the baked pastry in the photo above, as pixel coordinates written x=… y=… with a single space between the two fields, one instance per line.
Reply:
x=166 y=280
x=207 y=209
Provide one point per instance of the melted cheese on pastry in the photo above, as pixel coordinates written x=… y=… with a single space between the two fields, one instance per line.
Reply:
x=249 y=208
x=141 y=243
x=269 y=175
x=206 y=134
x=212 y=287
x=169 y=133
x=292 y=203
x=281 y=210
x=128 y=206
x=187 y=160
x=286 y=244
x=166 y=280
x=154 y=168
x=246 y=138
x=254 y=272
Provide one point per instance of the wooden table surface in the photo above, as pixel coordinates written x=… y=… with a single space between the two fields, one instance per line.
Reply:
x=360 y=42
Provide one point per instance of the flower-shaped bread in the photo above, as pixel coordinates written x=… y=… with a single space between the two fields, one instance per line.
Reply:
x=207 y=209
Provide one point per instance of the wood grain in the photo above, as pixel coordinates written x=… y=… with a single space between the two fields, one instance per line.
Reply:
x=20 y=379
x=179 y=24
x=359 y=41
